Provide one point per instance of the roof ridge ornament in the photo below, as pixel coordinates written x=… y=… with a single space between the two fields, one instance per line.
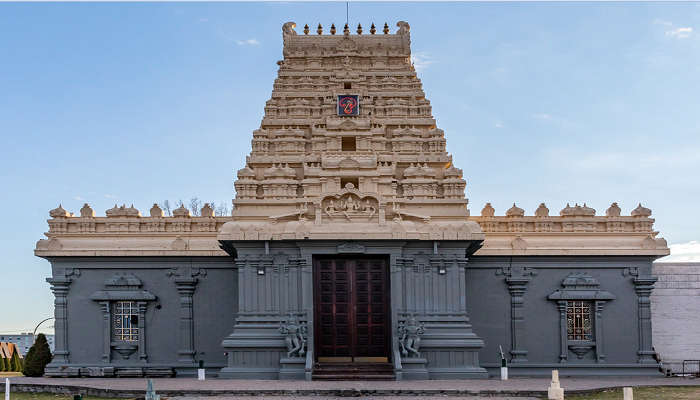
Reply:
x=515 y=211
x=87 y=211
x=613 y=210
x=288 y=29
x=542 y=211
x=59 y=212
x=641 y=211
x=488 y=210
x=577 y=211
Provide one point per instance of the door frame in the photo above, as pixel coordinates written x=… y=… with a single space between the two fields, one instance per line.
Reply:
x=387 y=298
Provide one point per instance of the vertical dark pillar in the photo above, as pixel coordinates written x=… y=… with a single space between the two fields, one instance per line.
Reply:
x=564 y=351
x=106 y=331
x=142 y=331
x=643 y=287
x=185 y=288
x=517 y=279
x=517 y=287
x=599 y=354
x=59 y=287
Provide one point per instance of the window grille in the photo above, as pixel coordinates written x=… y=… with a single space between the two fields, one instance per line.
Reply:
x=126 y=321
x=578 y=320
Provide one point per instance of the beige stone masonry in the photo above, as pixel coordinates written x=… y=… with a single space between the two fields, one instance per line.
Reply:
x=382 y=174
x=197 y=236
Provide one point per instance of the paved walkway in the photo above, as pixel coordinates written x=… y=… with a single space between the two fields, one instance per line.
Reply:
x=233 y=389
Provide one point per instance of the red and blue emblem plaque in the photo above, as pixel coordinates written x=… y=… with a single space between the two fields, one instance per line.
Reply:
x=348 y=104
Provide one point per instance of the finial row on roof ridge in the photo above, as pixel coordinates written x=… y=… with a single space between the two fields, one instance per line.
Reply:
x=568 y=211
x=288 y=29
x=123 y=211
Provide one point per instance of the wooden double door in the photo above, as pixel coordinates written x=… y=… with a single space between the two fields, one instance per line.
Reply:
x=351 y=302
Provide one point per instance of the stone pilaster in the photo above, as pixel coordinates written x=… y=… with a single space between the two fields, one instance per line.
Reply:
x=643 y=287
x=142 y=331
x=563 y=349
x=185 y=288
x=517 y=279
x=60 y=287
x=107 y=331
x=599 y=353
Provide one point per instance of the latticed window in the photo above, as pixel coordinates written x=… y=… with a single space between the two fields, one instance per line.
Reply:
x=126 y=321
x=578 y=320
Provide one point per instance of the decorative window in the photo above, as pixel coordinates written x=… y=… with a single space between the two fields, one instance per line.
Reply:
x=125 y=323
x=578 y=320
x=123 y=303
x=580 y=303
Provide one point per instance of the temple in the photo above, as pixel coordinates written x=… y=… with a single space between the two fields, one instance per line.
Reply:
x=351 y=253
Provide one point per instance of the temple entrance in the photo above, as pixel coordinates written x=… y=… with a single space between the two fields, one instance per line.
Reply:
x=351 y=306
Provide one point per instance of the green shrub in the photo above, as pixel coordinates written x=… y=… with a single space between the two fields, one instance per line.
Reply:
x=37 y=357
x=3 y=366
x=16 y=361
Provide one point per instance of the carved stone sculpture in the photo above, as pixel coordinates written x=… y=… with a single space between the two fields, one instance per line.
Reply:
x=409 y=337
x=295 y=338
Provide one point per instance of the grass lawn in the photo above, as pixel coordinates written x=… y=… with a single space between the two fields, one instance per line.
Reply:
x=645 y=393
x=10 y=374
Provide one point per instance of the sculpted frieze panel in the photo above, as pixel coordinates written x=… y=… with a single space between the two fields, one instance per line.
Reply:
x=350 y=206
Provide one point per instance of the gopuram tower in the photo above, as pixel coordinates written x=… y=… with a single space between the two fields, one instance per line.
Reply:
x=350 y=188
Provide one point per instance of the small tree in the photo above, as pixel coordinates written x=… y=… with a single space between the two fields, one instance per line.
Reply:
x=195 y=205
x=16 y=361
x=3 y=366
x=37 y=357
x=165 y=205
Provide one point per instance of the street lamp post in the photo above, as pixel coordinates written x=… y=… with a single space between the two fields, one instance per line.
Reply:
x=37 y=327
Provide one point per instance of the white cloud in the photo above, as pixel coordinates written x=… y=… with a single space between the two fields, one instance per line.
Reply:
x=543 y=116
x=78 y=198
x=683 y=252
x=498 y=124
x=421 y=61
x=659 y=21
x=110 y=196
x=203 y=19
x=247 y=42
x=680 y=33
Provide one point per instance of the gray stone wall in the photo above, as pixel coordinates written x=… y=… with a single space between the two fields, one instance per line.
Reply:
x=171 y=344
x=537 y=337
x=676 y=313
x=469 y=307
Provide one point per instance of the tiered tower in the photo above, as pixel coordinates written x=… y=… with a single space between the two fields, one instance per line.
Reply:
x=375 y=166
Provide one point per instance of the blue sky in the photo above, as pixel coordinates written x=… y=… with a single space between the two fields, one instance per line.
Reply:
x=136 y=103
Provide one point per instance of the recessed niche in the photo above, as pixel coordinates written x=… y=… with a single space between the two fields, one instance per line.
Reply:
x=347 y=85
x=349 y=143
x=354 y=180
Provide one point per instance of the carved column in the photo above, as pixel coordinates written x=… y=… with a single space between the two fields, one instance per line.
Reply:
x=142 y=331
x=517 y=287
x=643 y=287
x=517 y=279
x=600 y=356
x=59 y=287
x=106 y=331
x=564 y=351
x=185 y=288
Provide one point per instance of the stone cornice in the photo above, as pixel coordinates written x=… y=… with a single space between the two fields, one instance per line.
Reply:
x=504 y=236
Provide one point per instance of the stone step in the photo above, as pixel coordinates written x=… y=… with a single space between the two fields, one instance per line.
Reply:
x=354 y=377
x=353 y=371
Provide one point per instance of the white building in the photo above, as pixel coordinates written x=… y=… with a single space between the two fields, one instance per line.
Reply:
x=24 y=341
x=675 y=311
